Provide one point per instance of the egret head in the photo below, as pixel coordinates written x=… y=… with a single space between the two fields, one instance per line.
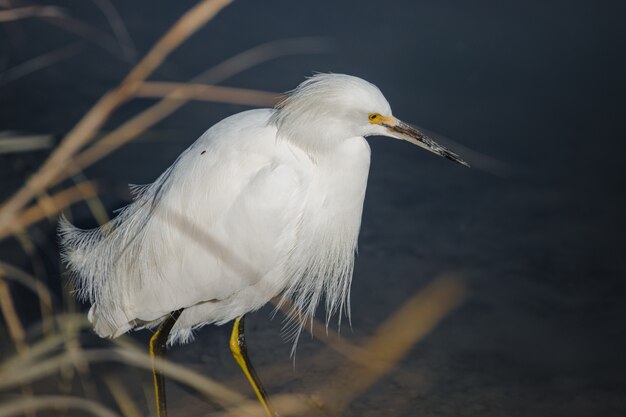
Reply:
x=326 y=108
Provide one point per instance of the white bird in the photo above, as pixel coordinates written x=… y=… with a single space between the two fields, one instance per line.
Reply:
x=265 y=203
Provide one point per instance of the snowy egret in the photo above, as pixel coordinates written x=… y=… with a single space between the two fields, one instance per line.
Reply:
x=266 y=202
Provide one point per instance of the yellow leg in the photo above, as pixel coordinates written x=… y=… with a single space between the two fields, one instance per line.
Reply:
x=240 y=353
x=158 y=346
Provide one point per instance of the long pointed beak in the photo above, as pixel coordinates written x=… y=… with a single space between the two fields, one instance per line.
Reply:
x=401 y=130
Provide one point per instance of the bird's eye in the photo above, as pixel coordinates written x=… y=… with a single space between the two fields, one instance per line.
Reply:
x=373 y=117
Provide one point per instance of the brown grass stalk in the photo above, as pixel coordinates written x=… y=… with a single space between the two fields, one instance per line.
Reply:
x=95 y=204
x=214 y=93
x=77 y=27
x=9 y=271
x=37 y=350
x=285 y=405
x=14 y=324
x=392 y=340
x=40 y=62
x=126 y=404
x=188 y=24
x=50 y=206
x=18 y=13
x=68 y=325
x=87 y=32
x=119 y=28
x=262 y=53
x=22 y=406
x=47 y=367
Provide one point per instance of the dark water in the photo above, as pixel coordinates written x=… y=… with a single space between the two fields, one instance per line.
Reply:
x=538 y=85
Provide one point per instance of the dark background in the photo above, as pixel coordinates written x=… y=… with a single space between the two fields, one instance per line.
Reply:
x=539 y=86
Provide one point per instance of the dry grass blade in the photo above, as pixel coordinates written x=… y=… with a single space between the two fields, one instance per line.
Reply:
x=188 y=24
x=95 y=205
x=87 y=32
x=14 y=142
x=44 y=368
x=68 y=325
x=45 y=297
x=392 y=340
x=40 y=62
x=120 y=136
x=216 y=391
x=228 y=257
x=318 y=330
x=28 y=12
x=214 y=93
x=56 y=17
x=285 y=404
x=14 y=324
x=119 y=28
x=36 y=351
x=51 y=206
x=53 y=402
x=120 y=395
x=484 y=162
x=477 y=160
x=262 y=53
x=37 y=279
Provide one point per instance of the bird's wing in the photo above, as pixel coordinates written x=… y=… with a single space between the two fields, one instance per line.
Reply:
x=224 y=217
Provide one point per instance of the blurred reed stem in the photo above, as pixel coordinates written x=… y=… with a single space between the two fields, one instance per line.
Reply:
x=188 y=24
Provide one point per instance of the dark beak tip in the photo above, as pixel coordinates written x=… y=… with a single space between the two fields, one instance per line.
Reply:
x=430 y=144
x=455 y=158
